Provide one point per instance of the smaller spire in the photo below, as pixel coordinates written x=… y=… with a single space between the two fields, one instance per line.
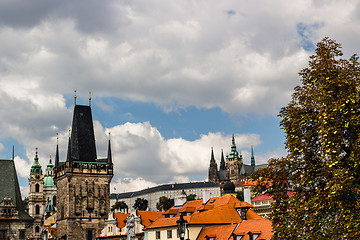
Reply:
x=222 y=162
x=57 y=151
x=75 y=96
x=109 y=156
x=13 y=153
x=68 y=157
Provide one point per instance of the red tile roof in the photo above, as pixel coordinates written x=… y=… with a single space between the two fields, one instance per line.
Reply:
x=219 y=232
x=218 y=210
x=147 y=217
x=261 y=225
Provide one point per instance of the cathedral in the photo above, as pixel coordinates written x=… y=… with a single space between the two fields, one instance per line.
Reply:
x=82 y=181
x=233 y=169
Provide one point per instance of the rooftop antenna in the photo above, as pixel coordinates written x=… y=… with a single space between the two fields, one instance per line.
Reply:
x=75 y=96
x=57 y=138
x=13 y=153
x=89 y=98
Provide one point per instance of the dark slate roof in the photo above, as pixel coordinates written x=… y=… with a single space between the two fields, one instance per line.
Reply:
x=9 y=185
x=82 y=142
x=165 y=187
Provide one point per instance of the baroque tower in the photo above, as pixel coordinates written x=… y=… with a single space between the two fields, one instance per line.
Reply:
x=83 y=182
x=49 y=184
x=36 y=199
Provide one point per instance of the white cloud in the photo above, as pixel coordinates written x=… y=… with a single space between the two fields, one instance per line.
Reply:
x=139 y=149
x=24 y=190
x=121 y=185
x=22 y=167
x=182 y=56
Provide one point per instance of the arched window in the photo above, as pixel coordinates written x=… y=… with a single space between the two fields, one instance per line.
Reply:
x=37 y=188
x=37 y=229
x=37 y=209
x=54 y=201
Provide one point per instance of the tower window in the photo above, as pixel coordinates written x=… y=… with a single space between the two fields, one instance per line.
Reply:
x=37 y=229
x=54 y=201
x=37 y=188
x=37 y=209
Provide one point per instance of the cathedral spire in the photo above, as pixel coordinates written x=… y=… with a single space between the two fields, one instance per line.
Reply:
x=212 y=159
x=252 y=158
x=109 y=157
x=222 y=162
x=233 y=152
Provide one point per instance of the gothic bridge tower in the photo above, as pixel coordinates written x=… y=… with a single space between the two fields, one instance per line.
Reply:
x=83 y=182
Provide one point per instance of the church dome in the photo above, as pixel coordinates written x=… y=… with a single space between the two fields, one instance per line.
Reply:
x=49 y=181
x=229 y=187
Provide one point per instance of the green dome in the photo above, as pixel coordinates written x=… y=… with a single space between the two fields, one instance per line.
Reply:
x=49 y=181
x=36 y=167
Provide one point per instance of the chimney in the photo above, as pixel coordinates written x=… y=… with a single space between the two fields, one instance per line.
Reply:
x=180 y=200
x=247 y=195
x=206 y=196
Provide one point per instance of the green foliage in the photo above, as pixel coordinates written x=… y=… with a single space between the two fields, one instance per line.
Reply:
x=322 y=168
x=164 y=203
x=191 y=197
x=140 y=204
x=240 y=195
x=119 y=205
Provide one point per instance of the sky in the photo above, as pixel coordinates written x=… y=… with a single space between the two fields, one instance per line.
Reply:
x=168 y=79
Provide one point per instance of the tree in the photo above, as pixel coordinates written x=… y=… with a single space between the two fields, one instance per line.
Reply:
x=190 y=197
x=322 y=168
x=119 y=205
x=164 y=203
x=140 y=204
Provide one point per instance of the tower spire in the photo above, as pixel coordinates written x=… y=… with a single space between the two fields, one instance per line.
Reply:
x=57 y=151
x=233 y=152
x=212 y=159
x=36 y=167
x=222 y=162
x=252 y=158
x=109 y=157
x=75 y=96
x=68 y=157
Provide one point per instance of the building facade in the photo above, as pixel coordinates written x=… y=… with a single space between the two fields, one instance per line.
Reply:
x=233 y=168
x=83 y=182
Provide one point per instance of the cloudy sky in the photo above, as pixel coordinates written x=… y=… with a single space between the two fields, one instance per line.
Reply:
x=169 y=79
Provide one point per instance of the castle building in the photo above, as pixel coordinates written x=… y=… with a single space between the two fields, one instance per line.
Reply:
x=233 y=169
x=83 y=182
